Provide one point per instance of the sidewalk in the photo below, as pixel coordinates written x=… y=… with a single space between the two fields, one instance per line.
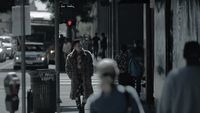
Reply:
x=68 y=105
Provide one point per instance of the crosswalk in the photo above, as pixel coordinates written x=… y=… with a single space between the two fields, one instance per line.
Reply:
x=64 y=80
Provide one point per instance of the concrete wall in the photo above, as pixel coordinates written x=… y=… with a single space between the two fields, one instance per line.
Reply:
x=185 y=27
x=89 y=28
x=130 y=23
x=103 y=19
x=160 y=53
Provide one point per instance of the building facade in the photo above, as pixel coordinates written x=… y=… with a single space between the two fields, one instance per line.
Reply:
x=176 y=22
x=5 y=23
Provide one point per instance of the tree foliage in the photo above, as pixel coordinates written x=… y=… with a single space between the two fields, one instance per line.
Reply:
x=6 y=5
x=82 y=7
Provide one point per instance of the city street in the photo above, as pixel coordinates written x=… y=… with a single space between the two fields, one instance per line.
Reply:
x=153 y=41
x=68 y=106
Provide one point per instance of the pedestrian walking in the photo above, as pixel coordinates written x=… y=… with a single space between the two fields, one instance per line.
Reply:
x=182 y=87
x=96 y=45
x=85 y=42
x=136 y=67
x=67 y=47
x=103 y=45
x=123 y=62
x=79 y=67
x=90 y=46
x=113 y=98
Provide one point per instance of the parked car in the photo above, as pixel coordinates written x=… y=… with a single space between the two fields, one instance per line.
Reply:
x=7 y=44
x=2 y=53
x=35 y=56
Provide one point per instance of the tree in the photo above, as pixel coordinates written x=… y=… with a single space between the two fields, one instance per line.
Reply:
x=6 y=5
x=82 y=7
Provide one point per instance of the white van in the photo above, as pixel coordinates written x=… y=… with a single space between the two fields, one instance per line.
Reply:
x=7 y=44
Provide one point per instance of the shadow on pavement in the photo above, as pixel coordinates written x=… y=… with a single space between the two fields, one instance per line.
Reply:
x=68 y=108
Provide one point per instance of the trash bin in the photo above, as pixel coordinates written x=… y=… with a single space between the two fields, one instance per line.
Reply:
x=43 y=85
x=30 y=101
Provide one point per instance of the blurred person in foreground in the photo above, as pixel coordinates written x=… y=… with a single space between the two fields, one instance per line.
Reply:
x=113 y=98
x=181 y=92
x=79 y=67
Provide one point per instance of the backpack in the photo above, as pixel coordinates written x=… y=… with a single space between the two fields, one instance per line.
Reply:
x=135 y=69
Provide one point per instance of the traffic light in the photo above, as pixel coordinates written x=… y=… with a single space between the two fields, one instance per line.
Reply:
x=69 y=23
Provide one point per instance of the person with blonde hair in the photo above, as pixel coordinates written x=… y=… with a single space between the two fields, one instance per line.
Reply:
x=113 y=98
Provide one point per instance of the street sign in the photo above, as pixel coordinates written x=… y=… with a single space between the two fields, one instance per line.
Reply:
x=17 y=21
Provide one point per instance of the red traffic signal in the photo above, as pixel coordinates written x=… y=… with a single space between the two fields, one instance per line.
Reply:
x=70 y=23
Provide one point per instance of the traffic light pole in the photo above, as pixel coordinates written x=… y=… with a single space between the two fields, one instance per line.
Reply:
x=57 y=61
x=23 y=67
x=69 y=32
x=113 y=9
x=117 y=27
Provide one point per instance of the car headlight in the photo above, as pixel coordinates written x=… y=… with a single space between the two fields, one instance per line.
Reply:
x=9 y=48
x=1 y=50
x=42 y=58
x=52 y=51
x=16 y=58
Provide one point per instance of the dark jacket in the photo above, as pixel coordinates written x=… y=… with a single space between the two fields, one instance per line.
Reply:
x=116 y=102
x=122 y=61
x=86 y=72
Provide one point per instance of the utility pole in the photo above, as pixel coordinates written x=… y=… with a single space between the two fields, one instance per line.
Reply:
x=23 y=67
x=57 y=61
x=149 y=21
x=69 y=32
x=117 y=27
x=113 y=26
x=110 y=30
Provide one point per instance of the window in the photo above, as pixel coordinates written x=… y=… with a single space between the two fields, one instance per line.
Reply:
x=35 y=48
